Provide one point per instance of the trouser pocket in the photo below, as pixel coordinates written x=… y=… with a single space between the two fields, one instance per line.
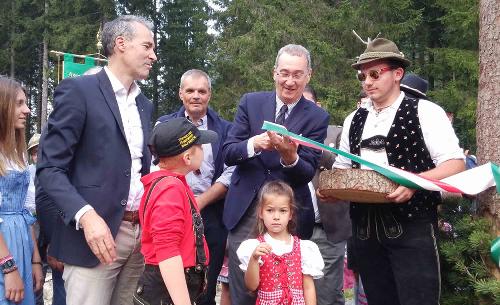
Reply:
x=151 y=289
x=392 y=227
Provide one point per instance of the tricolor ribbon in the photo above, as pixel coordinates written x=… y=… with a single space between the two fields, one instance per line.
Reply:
x=471 y=182
x=495 y=251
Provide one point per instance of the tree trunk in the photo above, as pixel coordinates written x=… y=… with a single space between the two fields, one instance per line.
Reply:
x=45 y=72
x=488 y=107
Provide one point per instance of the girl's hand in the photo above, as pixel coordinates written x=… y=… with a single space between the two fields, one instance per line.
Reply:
x=14 y=287
x=262 y=249
x=37 y=277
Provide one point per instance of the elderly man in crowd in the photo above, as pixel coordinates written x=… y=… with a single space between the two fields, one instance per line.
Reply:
x=265 y=156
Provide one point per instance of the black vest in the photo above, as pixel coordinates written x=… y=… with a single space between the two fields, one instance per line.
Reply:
x=406 y=149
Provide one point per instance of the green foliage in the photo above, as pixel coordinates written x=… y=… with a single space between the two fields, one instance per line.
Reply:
x=464 y=252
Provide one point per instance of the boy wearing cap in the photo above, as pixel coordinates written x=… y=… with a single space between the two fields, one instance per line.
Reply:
x=173 y=245
x=394 y=244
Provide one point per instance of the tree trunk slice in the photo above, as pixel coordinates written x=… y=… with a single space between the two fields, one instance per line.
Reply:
x=356 y=185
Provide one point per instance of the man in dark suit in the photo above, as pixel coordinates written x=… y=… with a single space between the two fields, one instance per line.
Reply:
x=93 y=156
x=332 y=225
x=211 y=181
x=265 y=156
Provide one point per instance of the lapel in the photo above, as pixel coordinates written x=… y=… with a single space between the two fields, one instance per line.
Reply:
x=269 y=158
x=110 y=98
x=212 y=125
x=140 y=101
x=269 y=108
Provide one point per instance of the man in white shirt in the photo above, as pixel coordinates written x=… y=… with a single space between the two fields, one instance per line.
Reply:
x=394 y=244
x=93 y=156
x=211 y=181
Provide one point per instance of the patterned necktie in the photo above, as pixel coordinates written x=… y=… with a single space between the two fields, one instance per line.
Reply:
x=280 y=119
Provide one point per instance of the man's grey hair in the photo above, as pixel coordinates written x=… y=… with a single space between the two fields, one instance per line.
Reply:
x=195 y=73
x=121 y=26
x=295 y=50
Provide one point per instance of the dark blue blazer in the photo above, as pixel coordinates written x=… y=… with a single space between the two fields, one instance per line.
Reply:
x=250 y=174
x=215 y=123
x=85 y=159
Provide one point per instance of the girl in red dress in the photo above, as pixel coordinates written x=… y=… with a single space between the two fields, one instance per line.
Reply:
x=280 y=266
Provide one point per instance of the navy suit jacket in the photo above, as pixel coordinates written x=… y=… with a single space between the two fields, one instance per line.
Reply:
x=212 y=213
x=85 y=159
x=250 y=174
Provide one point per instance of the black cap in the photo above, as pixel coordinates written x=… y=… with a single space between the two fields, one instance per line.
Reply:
x=414 y=85
x=175 y=136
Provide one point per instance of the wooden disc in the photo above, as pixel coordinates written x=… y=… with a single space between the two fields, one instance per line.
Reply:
x=356 y=185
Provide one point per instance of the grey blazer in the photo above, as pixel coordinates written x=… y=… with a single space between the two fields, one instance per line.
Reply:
x=334 y=216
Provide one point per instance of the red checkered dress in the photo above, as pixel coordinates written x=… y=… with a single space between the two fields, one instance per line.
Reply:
x=281 y=278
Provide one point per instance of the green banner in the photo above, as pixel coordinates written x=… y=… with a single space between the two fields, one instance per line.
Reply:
x=72 y=68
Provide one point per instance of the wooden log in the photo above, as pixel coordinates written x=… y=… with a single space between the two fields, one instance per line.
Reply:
x=356 y=185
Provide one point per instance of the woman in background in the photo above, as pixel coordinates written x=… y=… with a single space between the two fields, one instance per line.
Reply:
x=20 y=263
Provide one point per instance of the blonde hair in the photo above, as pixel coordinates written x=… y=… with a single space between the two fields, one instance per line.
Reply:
x=276 y=187
x=12 y=140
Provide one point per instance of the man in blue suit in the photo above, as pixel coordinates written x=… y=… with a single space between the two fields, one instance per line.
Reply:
x=210 y=182
x=264 y=156
x=93 y=156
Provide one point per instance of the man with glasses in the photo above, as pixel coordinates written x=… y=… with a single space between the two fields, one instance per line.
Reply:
x=395 y=244
x=265 y=156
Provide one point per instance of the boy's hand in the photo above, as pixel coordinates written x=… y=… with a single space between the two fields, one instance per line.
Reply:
x=262 y=249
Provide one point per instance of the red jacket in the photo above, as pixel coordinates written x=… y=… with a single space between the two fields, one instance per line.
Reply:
x=167 y=226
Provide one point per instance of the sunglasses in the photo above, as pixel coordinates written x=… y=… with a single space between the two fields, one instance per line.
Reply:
x=374 y=74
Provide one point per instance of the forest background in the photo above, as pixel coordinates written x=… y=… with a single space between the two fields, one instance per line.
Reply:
x=236 y=43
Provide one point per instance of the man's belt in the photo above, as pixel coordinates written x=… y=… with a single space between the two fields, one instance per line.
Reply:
x=131 y=216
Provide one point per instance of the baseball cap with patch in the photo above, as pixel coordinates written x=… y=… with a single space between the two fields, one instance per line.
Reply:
x=175 y=136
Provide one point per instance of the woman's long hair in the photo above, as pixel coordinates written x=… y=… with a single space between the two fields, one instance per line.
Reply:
x=12 y=140
x=276 y=187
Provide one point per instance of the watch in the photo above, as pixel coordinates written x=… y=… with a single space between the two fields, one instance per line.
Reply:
x=8 y=264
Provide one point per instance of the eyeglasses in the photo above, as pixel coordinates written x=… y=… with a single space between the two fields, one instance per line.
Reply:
x=374 y=74
x=294 y=76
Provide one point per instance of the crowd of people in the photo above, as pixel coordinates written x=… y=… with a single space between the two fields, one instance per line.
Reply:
x=132 y=212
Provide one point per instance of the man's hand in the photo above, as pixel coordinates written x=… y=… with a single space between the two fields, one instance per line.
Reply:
x=98 y=237
x=55 y=264
x=261 y=142
x=401 y=194
x=284 y=146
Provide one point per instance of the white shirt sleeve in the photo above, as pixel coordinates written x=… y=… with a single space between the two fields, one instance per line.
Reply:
x=438 y=133
x=341 y=161
x=250 y=148
x=80 y=213
x=312 y=261
x=225 y=177
x=245 y=251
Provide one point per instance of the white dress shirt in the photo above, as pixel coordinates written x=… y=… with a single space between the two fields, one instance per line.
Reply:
x=439 y=136
x=201 y=180
x=132 y=127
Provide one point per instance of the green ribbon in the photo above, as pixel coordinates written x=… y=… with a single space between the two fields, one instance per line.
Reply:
x=387 y=173
x=495 y=251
